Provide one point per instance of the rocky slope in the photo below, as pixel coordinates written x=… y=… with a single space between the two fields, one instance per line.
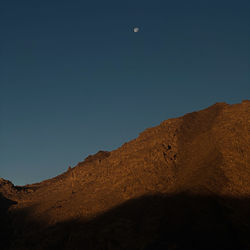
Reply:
x=184 y=184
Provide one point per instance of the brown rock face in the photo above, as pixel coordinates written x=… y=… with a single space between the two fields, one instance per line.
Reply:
x=184 y=184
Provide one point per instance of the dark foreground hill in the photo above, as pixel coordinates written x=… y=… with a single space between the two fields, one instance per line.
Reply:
x=184 y=184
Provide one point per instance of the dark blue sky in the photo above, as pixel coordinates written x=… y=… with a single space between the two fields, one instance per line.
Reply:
x=75 y=78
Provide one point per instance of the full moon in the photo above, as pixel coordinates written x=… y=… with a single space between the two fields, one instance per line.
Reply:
x=136 y=29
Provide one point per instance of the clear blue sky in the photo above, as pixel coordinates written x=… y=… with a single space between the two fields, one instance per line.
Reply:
x=75 y=78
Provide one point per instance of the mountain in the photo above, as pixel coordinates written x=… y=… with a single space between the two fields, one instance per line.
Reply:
x=184 y=184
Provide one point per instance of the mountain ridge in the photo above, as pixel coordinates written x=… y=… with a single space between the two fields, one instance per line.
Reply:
x=201 y=154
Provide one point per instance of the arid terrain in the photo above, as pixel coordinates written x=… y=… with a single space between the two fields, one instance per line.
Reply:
x=184 y=184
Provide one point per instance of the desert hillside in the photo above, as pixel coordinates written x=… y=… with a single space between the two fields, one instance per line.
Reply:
x=184 y=184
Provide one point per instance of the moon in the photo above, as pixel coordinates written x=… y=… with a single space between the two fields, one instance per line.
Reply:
x=136 y=29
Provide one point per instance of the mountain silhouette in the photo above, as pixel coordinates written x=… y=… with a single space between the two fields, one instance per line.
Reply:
x=184 y=184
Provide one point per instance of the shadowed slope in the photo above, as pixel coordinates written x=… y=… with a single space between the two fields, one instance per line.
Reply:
x=6 y=228
x=181 y=221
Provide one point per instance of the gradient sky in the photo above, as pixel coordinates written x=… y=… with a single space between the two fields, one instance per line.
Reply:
x=75 y=78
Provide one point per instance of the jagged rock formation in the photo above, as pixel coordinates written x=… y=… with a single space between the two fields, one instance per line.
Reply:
x=188 y=176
